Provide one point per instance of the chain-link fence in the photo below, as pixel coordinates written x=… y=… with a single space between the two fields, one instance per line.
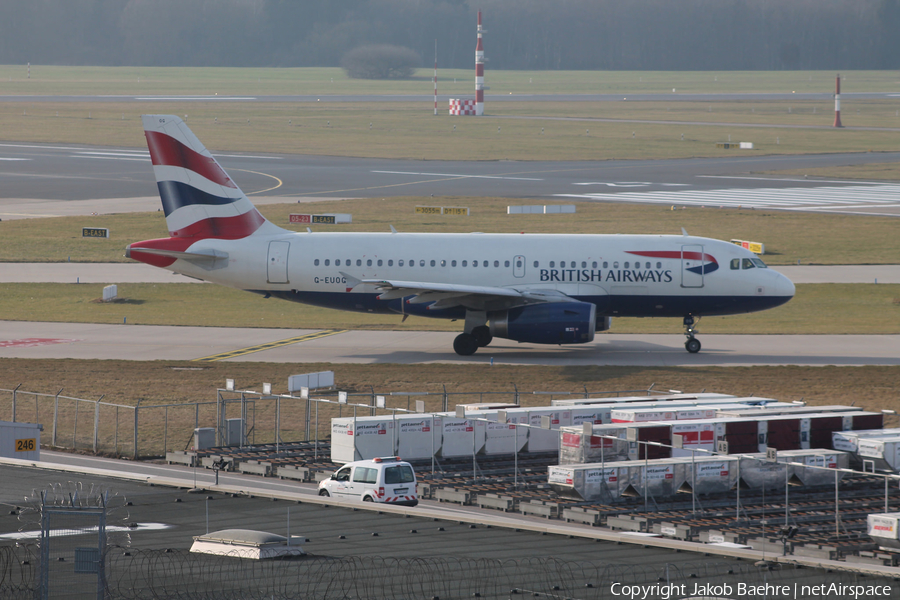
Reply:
x=146 y=430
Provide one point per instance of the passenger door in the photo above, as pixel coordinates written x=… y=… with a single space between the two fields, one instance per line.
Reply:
x=692 y=266
x=277 y=265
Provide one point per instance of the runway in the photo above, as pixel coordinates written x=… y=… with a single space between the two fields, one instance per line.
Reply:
x=50 y=180
x=138 y=342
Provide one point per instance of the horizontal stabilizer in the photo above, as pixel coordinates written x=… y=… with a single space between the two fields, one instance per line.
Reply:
x=202 y=257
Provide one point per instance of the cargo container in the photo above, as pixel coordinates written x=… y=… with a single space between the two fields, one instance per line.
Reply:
x=709 y=397
x=361 y=438
x=848 y=441
x=460 y=437
x=883 y=452
x=781 y=408
x=575 y=449
x=408 y=436
x=661 y=478
x=757 y=471
x=681 y=413
x=884 y=529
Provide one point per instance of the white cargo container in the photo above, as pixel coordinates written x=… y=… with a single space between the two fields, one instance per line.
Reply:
x=848 y=441
x=660 y=478
x=460 y=437
x=544 y=440
x=20 y=440
x=780 y=408
x=696 y=436
x=367 y=438
x=704 y=397
x=884 y=529
x=680 y=413
x=417 y=437
x=883 y=452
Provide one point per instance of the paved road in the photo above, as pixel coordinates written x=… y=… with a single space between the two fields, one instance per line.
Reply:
x=44 y=180
x=137 y=342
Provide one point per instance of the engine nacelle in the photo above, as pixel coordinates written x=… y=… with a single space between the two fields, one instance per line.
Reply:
x=603 y=324
x=552 y=323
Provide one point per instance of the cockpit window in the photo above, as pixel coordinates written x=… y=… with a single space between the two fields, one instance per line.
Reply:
x=747 y=263
x=735 y=264
x=759 y=263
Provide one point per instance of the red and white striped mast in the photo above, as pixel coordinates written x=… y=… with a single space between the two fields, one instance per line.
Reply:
x=837 y=101
x=479 y=72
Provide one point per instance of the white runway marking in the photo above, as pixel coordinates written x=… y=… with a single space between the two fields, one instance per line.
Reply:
x=458 y=175
x=818 y=198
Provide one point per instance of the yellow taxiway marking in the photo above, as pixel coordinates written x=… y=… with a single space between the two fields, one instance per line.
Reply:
x=268 y=346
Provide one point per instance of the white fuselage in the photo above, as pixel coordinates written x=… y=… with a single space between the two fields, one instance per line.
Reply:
x=627 y=275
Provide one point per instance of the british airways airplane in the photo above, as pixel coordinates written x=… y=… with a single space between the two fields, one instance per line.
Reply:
x=534 y=288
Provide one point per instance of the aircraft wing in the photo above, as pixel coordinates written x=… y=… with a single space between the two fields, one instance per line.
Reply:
x=449 y=295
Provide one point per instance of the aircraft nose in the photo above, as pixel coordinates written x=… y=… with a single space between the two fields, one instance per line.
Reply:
x=784 y=286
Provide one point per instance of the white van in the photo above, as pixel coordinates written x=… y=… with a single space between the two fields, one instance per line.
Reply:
x=389 y=480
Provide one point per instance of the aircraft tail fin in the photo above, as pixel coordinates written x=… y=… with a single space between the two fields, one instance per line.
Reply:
x=199 y=198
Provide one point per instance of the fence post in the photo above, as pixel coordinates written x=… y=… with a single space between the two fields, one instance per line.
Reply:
x=136 y=409
x=14 y=403
x=56 y=413
x=97 y=423
x=75 y=427
x=166 y=431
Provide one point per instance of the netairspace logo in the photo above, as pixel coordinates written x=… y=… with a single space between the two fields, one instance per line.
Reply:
x=667 y=591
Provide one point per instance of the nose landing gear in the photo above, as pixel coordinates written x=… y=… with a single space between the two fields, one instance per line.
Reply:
x=692 y=344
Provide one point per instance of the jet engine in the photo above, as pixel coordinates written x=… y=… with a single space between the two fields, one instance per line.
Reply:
x=551 y=323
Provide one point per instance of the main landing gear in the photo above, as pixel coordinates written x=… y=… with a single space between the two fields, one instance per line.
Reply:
x=467 y=344
x=692 y=344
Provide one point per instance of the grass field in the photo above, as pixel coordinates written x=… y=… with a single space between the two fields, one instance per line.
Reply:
x=816 y=309
x=511 y=131
x=125 y=382
x=61 y=80
x=789 y=236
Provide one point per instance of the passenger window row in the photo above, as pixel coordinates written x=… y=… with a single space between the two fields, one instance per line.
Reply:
x=485 y=263
x=411 y=263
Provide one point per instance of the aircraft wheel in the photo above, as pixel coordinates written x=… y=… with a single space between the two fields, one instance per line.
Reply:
x=692 y=345
x=482 y=335
x=465 y=344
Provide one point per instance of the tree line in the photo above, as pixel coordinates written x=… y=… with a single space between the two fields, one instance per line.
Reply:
x=521 y=34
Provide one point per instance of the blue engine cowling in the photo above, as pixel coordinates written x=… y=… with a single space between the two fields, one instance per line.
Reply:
x=552 y=323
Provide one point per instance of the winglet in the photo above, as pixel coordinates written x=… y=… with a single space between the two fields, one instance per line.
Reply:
x=684 y=232
x=393 y=230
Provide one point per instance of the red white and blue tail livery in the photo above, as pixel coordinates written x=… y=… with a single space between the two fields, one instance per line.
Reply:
x=199 y=198
x=537 y=288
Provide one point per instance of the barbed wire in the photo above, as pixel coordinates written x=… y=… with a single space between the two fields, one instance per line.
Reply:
x=173 y=575
x=18 y=571
x=179 y=574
